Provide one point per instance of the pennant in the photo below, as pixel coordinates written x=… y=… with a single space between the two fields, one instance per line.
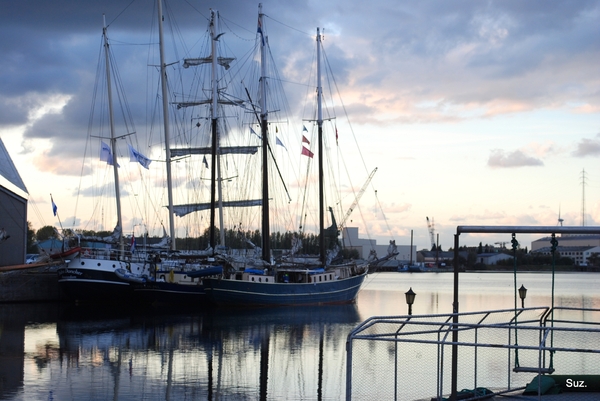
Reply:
x=54 y=207
x=304 y=128
x=135 y=156
x=336 y=136
x=205 y=162
x=252 y=132
x=276 y=129
x=305 y=140
x=132 y=247
x=307 y=152
x=278 y=142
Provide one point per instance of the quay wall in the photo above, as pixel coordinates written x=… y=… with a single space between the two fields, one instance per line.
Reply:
x=31 y=285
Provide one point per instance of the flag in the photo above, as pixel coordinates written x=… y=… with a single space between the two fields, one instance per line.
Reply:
x=305 y=140
x=106 y=155
x=135 y=156
x=304 y=128
x=259 y=30
x=253 y=132
x=276 y=129
x=54 y=207
x=336 y=135
x=278 y=142
x=307 y=152
x=132 y=247
x=205 y=162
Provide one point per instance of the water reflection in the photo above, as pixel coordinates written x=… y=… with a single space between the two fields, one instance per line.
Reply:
x=104 y=353
x=60 y=352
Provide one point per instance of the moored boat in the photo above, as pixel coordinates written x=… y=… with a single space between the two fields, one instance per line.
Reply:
x=89 y=273
x=290 y=281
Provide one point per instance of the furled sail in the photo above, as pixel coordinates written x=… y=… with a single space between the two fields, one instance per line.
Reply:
x=182 y=210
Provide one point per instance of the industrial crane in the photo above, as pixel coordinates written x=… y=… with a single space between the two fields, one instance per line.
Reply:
x=358 y=196
x=431 y=233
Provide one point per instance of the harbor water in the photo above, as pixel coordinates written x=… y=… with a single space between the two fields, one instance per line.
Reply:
x=58 y=351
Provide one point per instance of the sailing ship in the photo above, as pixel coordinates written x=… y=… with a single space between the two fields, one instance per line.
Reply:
x=90 y=271
x=179 y=277
x=289 y=281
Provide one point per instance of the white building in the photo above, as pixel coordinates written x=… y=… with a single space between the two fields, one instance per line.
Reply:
x=579 y=254
x=364 y=246
x=567 y=240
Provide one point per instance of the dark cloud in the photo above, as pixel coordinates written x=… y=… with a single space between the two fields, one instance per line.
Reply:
x=499 y=159
x=488 y=55
x=588 y=147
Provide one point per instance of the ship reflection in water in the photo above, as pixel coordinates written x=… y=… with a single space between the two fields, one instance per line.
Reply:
x=102 y=354
x=59 y=352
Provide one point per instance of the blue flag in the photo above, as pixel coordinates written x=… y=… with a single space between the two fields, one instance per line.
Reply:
x=278 y=142
x=135 y=156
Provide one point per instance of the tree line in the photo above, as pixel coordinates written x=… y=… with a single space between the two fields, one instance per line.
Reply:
x=235 y=239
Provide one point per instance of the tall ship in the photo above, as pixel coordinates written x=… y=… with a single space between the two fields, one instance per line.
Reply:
x=291 y=279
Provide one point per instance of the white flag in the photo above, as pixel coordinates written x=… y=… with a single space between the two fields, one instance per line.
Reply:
x=106 y=155
x=136 y=156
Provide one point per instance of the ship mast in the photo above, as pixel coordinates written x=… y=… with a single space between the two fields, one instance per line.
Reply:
x=163 y=79
x=266 y=244
x=113 y=138
x=320 y=140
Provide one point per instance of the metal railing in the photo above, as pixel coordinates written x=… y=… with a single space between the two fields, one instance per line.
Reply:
x=408 y=357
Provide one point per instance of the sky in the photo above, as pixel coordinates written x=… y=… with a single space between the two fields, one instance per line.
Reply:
x=474 y=112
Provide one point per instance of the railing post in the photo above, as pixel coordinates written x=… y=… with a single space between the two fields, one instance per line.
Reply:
x=455 y=322
x=349 y=367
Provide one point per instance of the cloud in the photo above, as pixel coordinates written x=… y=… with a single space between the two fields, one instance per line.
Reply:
x=588 y=147
x=499 y=159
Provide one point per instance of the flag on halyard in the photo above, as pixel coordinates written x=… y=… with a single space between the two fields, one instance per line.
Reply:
x=135 y=156
x=205 y=162
x=304 y=128
x=106 y=154
x=307 y=152
x=132 y=247
x=54 y=207
x=259 y=30
x=254 y=132
x=278 y=142
x=336 y=135
x=305 y=140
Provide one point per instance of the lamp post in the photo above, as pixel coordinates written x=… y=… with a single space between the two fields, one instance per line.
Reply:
x=410 y=299
x=522 y=295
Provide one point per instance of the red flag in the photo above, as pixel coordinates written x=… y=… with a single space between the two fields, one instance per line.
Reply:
x=305 y=140
x=307 y=152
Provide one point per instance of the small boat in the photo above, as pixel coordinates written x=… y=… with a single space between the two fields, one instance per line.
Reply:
x=292 y=281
